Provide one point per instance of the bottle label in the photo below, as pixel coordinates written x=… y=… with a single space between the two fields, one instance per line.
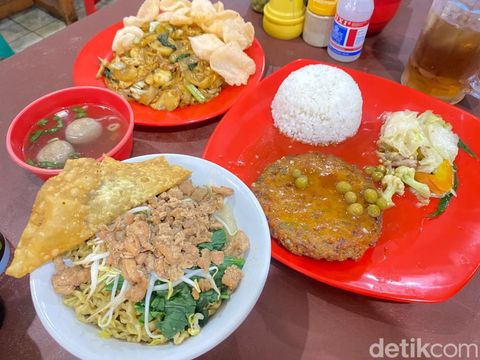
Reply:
x=347 y=37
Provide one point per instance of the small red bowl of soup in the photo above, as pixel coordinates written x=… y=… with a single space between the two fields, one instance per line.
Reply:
x=83 y=121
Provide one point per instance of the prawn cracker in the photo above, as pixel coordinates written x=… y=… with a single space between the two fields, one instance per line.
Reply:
x=72 y=206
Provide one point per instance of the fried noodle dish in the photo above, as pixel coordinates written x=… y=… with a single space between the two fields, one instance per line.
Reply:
x=162 y=71
x=174 y=54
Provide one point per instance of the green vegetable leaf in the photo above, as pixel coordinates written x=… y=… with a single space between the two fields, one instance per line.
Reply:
x=164 y=41
x=192 y=66
x=182 y=56
x=42 y=122
x=152 y=315
x=174 y=322
x=204 y=301
x=177 y=310
x=158 y=303
x=445 y=200
x=230 y=260
x=465 y=148
x=219 y=237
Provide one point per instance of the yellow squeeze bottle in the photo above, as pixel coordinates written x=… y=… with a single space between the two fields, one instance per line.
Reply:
x=283 y=19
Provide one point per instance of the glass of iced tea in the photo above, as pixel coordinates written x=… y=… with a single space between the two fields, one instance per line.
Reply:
x=446 y=60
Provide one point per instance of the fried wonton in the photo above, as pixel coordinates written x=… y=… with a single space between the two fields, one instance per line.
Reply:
x=72 y=206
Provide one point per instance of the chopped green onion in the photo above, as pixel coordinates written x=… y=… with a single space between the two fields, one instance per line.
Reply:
x=50 y=165
x=182 y=56
x=59 y=121
x=42 y=122
x=192 y=66
x=78 y=109
x=197 y=94
x=30 y=162
x=36 y=134
x=75 y=155
x=164 y=41
x=52 y=140
x=107 y=73
x=52 y=130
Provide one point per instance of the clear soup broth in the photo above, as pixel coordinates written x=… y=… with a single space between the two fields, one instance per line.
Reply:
x=83 y=130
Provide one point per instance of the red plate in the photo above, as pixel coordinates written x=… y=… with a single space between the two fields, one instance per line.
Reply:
x=86 y=67
x=416 y=259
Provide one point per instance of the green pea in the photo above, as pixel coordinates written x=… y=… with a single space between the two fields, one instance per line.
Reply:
x=382 y=203
x=343 y=187
x=369 y=170
x=381 y=168
x=296 y=173
x=370 y=196
x=377 y=176
x=373 y=210
x=350 y=197
x=355 y=209
x=301 y=182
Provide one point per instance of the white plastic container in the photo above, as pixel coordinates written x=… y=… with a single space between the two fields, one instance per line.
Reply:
x=349 y=29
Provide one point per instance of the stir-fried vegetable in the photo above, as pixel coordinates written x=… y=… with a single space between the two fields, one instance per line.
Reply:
x=441 y=181
x=418 y=141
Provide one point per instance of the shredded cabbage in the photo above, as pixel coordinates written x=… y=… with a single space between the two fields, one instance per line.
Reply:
x=426 y=139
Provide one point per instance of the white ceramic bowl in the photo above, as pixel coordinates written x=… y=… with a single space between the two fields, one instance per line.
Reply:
x=82 y=339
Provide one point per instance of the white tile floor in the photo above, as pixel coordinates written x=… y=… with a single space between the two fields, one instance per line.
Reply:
x=33 y=24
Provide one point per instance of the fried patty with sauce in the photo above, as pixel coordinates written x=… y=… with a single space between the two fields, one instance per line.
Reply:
x=314 y=222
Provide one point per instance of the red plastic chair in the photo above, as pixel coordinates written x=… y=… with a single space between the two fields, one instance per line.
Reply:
x=89 y=6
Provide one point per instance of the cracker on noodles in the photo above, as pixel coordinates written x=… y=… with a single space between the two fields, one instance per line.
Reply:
x=204 y=45
x=72 y=206
x=221 y=27
x=232 y=64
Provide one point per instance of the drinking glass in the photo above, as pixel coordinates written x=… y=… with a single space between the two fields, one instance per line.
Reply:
x=445 y=62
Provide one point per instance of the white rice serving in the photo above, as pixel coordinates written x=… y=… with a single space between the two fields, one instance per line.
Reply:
x=318 y=105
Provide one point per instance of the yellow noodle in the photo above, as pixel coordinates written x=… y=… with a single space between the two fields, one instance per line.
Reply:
x=125 y=324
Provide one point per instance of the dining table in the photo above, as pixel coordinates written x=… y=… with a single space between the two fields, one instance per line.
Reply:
x=295 y=317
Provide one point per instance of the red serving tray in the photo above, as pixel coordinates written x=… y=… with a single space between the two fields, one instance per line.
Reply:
x=416 y=258
x=86 y=67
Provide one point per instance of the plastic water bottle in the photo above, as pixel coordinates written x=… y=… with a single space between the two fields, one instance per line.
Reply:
x=349 y=29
